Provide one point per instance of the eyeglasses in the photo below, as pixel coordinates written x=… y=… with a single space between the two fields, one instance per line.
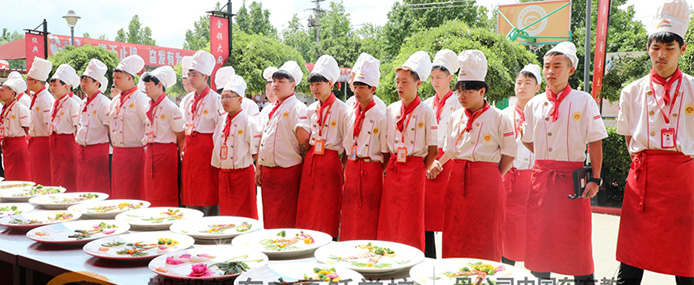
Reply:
x=230 y=97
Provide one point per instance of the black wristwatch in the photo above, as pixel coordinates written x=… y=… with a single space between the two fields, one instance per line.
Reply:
x=597 y=181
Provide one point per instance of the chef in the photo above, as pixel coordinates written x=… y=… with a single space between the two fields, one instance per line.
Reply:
x=13 y=131
x=39 y=129
x=185 y=66
x=64 y=123
x=222 y=77
x=23 y=97
x=270 y=94
x=352 y=101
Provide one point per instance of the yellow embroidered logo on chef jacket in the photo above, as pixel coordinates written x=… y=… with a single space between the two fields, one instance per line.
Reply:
x=689 y=109
x=37 y=108
x=94 y=112
x=240 y=132
x=131 y=106
x=205 y=112
x=13 y=117
x=286 y=115
x=162 y=117
x=487 y=137
x=577 y=116
x=333 y=124
x=375 y=131
x=62 y=113
x=420 y=125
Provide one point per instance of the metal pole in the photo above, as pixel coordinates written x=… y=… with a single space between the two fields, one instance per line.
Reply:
x=586 y=64
x=72 y=33
x=231 y=35
x=45 y=39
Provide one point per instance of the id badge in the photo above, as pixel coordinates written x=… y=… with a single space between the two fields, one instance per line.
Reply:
x=353 y=156
x=319 y=147
x=223 y=152
x=667 y=138
x=150 y=137
x=402 y=154
x=2 y=132
x=189 y=129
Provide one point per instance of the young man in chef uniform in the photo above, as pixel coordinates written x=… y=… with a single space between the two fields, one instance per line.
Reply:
x=655 y=116
x=443 y=103
x=164 y=138
x=270 y=94
x=185 y=66
x=15 y=126
x=222 y=77
x=412 y=142
x=128 y=114
x=64 y=123
x=23 y=97
x=352 y=102
x=367 y=153
x=236 y=141
x=282 y=147
x=320 y=194
x=559 y=125
x=92 y=133
x=39 y=129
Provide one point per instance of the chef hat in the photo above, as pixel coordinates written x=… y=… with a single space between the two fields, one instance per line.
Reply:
x=448 y=59
x=185 y=65
x=141 y=85
x=672 y=16
x=67 y=74
x=203 y=62
x=360 y=60
x=327 y=67
x=96 y=70
x=568 y=49
x=40 y=69
x=17 y=85
x=473 y=65
x=237 y=85
x=535 y=70
x=132 y=65
x=420 y=63
x=165 y=74
x=223 y=76
x=293 y=69
x=267 y=73
x=15 y=75
x=369 y=72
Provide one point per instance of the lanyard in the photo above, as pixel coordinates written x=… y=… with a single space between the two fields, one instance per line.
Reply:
x=472 y=118
x=124 y=98
x=58 y=107
x=672 y=104
x=6 y=111
x=321 y=120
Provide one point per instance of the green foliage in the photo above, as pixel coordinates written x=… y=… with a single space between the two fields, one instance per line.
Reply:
x=251 y=54
x=7 y=37
x=136 y=33
x=199 y=37
x=255 y=21
x=79 y=57
x=177 y=89
x=296 y=36
x=622 y=73
x=615 y=164
x=505 y=58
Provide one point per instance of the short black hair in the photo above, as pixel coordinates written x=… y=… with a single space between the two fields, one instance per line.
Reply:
x=93 y=80
x=442 y=68
x=147 y=77
x=283 y=74
x=553 y=53
x=472 y=85
x=666 y=38
x=412 y=72
x=358 y=83
x=529 y=75
x=123 y=71
x=57 y=79
x=316 y=78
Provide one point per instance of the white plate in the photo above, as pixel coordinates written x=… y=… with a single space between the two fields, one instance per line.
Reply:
x=108 y=209
x=294 y=271
x=215 y=227
x=108 y=247
x=35 y=219
x=66 y=233
x=26 y=193
x=425 y=272
x=356 y=255
x=262 y=240
x=157 y=217
x=7 y=209
x=4 y=185
x=179 y=264
x=64 y=200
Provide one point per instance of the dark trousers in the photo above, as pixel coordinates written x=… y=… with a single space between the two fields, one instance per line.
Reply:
x=429 y=244
x=629 y=275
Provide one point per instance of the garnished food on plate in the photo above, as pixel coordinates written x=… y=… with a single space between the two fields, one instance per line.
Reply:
x=287 y=243
x=38 y=190
x=367 y=255
x=479 y=269
x=102 y=227
x=61 y=216
x=119 y=207
x=140 y=248
x=169 y=215
x=12 y=209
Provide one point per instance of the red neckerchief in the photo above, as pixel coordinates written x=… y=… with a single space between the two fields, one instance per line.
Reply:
x=406 y=111
x=227 y=126
x=154 y=105
x=278 y=103
x=321 y=107
x=198 y=98
x=438 y=104
x=124 y=96
x=33 y=99
x=7 y=109
x=56 y=107
x=20 y=95
x=556 y=100
x=360 y=115
x=89 y=100
x=520 y=122
x=667 y=83
x=473 y=116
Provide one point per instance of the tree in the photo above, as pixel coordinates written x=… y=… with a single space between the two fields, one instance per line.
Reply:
x=373 y=40
x=257 y=21
x=199 y=37
x=86 y=36
x=296 y=36
x=7 y=37
x=79 y=57
x=136 y=33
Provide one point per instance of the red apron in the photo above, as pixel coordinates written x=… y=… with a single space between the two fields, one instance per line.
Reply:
x=127 y=173
x=15 y=159
x=435 y=193
x=63 y=160
x=161 y=174
x=656 y=231
x=92 y=168
x=402 y=204
x=40 y=160
x=517 y=184
x=320 y=194
x=200 y=181
x=475 y=203
x=361 y=200
x=280 y=192
x=558 y=232
x=237 y=192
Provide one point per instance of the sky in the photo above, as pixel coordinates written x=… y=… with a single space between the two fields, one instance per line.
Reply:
x=169 y=19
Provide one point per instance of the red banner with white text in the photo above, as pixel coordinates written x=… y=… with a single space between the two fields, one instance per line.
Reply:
x=600 y=46
x=219 y=44
x=33 y=44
